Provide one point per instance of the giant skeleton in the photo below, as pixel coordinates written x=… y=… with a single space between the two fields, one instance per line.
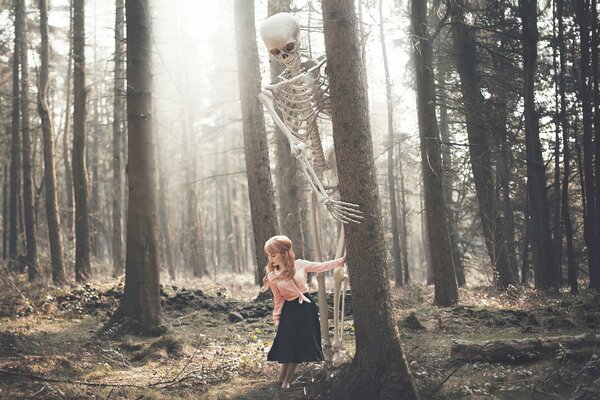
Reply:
x=301 y=94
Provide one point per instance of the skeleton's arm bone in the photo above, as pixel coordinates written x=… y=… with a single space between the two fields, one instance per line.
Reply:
x=340 y=210
x=296 y=146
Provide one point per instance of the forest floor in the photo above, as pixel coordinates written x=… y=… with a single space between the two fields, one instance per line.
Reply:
x=217 y=339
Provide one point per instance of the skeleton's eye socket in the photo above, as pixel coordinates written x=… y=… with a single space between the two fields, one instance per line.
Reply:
x=290 y=47
x=274 y=52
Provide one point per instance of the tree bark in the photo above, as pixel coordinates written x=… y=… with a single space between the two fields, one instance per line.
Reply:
x=594 y=85
x=566 y=209
x=379 y=369
x=396 y=260
x=80 y=179
x=117 y=131
x=54 y=234
x=69 y=187
x=141 y=299
x=15 y=156
x=447 y=171
x=163 y=216
x=446 y=290
x=591 y=232
x=541 y=243
x=33 y=270
x=480 y=150
x=260 y=187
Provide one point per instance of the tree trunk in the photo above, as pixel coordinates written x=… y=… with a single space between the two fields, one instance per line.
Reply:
x=5 y=217
x=446 y=290
x=396 y=261
x=15 y=157
x=68 y=193
x=54 y=234
x=582 y=16
x=594 y=86
x=379 y=369
x=117 y=130
x=404 y=230
x=163 y=215
x=141 y=299
x=260 y=187
x=566 y=210
x=33 y=270
x=541 y=243
x=80 y=179
x=480 y=150
x=447 y=171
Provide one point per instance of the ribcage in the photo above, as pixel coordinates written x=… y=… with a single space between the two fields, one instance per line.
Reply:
x=301 y=101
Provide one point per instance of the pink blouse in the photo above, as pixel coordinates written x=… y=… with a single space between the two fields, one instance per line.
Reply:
x=284 y=289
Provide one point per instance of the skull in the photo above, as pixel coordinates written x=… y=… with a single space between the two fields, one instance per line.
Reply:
x=281 y=34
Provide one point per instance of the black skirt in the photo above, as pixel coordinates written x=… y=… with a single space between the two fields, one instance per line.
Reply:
x=298 y=337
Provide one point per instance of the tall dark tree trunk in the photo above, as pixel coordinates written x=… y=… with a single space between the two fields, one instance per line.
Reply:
x=541 y=243
x=80 y=178
x=396 y=260
x=379 y=369
x=557 y=225
x=54 y=234
x=480 y=150
x=15 y=155
x=591 y=229
x=260 y=187
x=447 y=171
x=566 y=209
x=141 y=299
x=594 y=86
x=68 y=171
x=446 y=290
x=117 y=131
x=33 y=270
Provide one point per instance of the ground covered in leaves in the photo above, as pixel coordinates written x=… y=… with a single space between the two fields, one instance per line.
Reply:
x=215 y=347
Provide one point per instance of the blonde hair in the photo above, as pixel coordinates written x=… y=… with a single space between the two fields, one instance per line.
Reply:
x=279 y=244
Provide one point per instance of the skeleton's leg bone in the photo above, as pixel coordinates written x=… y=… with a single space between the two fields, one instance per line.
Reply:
x=339 y=277
x=323 y=311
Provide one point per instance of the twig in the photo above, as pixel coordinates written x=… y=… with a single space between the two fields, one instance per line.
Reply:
x=72 y=382
x=180 y=372
x=439 y=386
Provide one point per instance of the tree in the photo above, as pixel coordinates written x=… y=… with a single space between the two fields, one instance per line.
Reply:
x=396 y=261
x=379 y=369
x=544 y=263
x=117 y=190
x=446 y=290
x=15 y=155
x=566 y=211
x=591 y=232
x=28 y=201
x=479 y=149
x=80 y=178
x=54 y=234
x=260 y=187
x=140 y=304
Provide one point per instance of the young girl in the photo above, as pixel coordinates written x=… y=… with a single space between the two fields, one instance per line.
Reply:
x=295 y=313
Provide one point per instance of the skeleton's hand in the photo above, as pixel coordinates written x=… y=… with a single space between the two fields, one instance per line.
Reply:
x=298 y=149
x=342 y=211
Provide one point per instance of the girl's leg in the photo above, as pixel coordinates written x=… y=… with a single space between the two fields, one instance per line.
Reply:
x=291 y=367
x=282 y=373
